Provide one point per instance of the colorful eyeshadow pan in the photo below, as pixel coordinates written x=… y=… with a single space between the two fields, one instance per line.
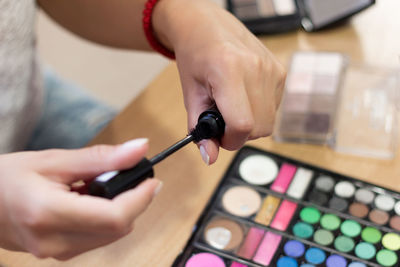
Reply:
x=250 y=244
x=258 y=170
x=323 y=237
x=364 y=196
x=336 y=261
x=287 y=262
x=344 y=189
x=350 y=228
x=371 y=235
x=395 y=222
x=338 y=204
x=294 y=249
x=300 y=183
x=365 y=251
x=386 y=257
x=284 y=178
x=241 y=201
x=384 y=202
x=205 y=259
x=273 y=211
x=324 y=184
x=223 y=234
x=284 y=215
x=379 y=217
x=391 y=241
x=310 y=215
x=330 y=222
x=359 y=210
x=397 y=208
x=344 y=243
x=267 y=248
x=303 y=230
x=315 y=256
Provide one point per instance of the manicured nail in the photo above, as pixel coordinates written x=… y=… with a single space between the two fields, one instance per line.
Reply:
x=158 y=188
x=204 y=155
x=135 y=143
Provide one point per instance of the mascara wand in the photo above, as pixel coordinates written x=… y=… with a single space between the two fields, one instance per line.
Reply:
x=209 y=125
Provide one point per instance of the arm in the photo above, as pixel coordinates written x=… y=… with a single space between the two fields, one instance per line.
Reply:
x=219 y=60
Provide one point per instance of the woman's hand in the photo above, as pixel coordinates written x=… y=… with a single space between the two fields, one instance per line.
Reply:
x=39 y=214
x=220 y=61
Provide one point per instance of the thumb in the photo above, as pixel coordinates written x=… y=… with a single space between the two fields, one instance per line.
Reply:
x=197 y=100
x=74 y=165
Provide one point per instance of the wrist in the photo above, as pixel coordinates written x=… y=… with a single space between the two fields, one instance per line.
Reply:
x=176 y=21
x=158 y=43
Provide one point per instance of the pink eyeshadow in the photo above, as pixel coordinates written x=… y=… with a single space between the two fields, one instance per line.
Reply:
x=284 y=178
x=284 y=215
x=205 y=259
x=267 y=249
x=250 y=244
x=237 y=264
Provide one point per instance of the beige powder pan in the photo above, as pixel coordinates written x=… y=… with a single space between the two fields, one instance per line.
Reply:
x=241 y=201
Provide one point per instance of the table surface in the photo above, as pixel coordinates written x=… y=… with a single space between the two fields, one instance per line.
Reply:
x=158 y=113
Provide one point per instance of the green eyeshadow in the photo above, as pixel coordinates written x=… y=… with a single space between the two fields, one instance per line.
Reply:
x=365 y=251
x=350 y=228
x=391 y=241
x=323 y=237
x=303 y=230
x=344 y=244
x=310 y=215
x=371 y=235
x=386 y=257
x=330 y=222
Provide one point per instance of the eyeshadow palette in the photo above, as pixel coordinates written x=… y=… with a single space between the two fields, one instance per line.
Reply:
x=270 y=210
x=311 y=98
x=271 y=16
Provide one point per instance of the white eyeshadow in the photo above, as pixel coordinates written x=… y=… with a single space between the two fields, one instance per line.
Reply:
x=397 y=208
x=344 y=189
x=300 y=183
x=258 y=170
x=364 y=196
x=384 y=202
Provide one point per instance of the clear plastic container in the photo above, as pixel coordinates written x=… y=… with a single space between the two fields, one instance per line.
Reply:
x=353 y=108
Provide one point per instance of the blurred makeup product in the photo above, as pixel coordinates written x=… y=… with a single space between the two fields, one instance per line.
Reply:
x=272 y=16
x=270 y=210
x=350 y=107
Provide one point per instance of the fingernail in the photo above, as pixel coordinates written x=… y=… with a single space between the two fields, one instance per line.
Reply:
x=135 y=143
x=204 y=155
x=158 y=188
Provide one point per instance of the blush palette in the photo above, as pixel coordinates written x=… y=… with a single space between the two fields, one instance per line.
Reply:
x=270 y=210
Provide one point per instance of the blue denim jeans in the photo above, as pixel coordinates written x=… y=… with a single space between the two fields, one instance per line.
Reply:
x=70 y=117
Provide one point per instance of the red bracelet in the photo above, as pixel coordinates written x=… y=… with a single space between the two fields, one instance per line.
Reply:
x=149 y=32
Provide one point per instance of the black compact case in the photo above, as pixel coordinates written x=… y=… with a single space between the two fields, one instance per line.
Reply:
x=276 y=16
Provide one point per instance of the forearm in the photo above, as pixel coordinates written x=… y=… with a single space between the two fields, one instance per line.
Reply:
x=116 y=23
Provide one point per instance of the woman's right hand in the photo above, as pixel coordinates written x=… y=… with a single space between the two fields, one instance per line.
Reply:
x=40 y=214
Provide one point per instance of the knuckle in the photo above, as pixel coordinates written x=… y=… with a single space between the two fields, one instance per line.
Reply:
x=35 y=219
x=255 y=61
x=244 y=126
x=228 y=55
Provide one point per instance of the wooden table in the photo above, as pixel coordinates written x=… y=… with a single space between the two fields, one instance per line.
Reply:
x=161 y=233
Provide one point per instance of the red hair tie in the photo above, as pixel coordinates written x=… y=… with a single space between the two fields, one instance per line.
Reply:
x=149 y=32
